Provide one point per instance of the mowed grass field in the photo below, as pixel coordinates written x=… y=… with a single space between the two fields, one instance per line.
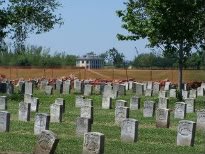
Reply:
x=108 y=74
x=21 y=137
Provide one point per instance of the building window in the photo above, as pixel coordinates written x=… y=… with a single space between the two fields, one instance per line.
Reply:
x=82 y=61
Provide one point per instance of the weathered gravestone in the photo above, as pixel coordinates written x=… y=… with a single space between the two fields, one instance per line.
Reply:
x=120 y=103
x=24 y=111
x=35 y=104
x=61 y=102
x=185 y=94
x=148 y=92
x=129 y=130
x=186 y=133
x=28 y=87
x=83 y=125
x=49 y=90
x=156 y=88
x=201 y=119
x=87 y=112
x=150 y=85
x=162 y=118
x=66 y=87
x=9 y=88
x=149 y=109
x=173 y=93
x=41 y=123
x=163 y=102
x=87 y=102
x=180 y=110
x=77 y=86
x=4 y=121
x=47 y=142
x=3 y=102
x=56 y=113
x=3 y=87
x=97 y=89
x=200 y=91
x=122 y=90
x=139 y=89
x=130 y=84
x=59 y=86
x=121 y=113
x=134 y=87
x=28 y=98
x=203 y=85
x=163 y=94
x=88 y=90
x=192 y=93
x=79 y=101
x=167 y=86
x=21 y=87
x=190 y=105
x=43 y=84
x=93 y=143
x=106 y=102
x=134 y=103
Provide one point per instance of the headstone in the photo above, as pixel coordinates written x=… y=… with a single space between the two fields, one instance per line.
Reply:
x=66 y=87
x=59 y=86
x=4 y=121
x=43 y=84
x=35 y=104
x=201 y=119
x=139 y=89
x=107 y=91
x=156 y=88
x=134 y=103
x=77 y=86
x=49 y=90
x=93 y=143
x=56 y=111
x=129 y=130
x=163 y=94
x=149 y=85
x=79 y=101
x=24 y=111
x=190 y=105
x=21 y=87
x=192 y=93
x=61 y=102
x=28 y=98
x=162 y=118
x=83 y=125
x=148 y=92
x=203 y=85
x=200 y=91
x=167 y=86
x=41 y=123
x=185 y=87
x=28 y=88
x=87 y=112
x=106 y=102
x=46 y=143
x=134 y=84
x=3 y=102
x=144 y=85
x=126 y=84
x=173 y=93
x=97 y=89
x=121 y=103
x=163 y=102
x=3 y=87
x=180 y=110
x=87 y=102
x=186 y=133
x=122 y=90
x=9 y=88
x=121 y=113
x=185 y=94
x=130 y=84
x=149 y=109
x=88 y=90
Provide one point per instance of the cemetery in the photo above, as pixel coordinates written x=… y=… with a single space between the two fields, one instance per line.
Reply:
x=83 y=116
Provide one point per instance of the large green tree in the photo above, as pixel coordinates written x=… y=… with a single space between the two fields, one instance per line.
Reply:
x=19 y=18
x=175 y=26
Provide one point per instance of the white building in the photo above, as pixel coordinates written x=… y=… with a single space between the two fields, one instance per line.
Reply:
x=90 y=61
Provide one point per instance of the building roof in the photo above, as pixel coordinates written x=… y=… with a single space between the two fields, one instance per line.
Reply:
x=89 y=56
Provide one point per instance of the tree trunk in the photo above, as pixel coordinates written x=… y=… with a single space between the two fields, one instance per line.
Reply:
x=181 y=56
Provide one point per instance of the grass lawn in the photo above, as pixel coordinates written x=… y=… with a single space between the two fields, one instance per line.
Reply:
x=21 y=137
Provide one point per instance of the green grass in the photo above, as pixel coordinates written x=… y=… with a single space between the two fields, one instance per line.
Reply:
x=151 y=139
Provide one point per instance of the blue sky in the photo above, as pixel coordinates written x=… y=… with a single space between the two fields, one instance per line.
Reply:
x=89 y=25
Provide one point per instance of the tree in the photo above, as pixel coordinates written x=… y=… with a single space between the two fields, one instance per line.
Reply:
x=175 y=26
x=114 y=57
x=18 y=18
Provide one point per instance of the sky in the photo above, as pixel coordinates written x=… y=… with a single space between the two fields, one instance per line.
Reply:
x=89 y=25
